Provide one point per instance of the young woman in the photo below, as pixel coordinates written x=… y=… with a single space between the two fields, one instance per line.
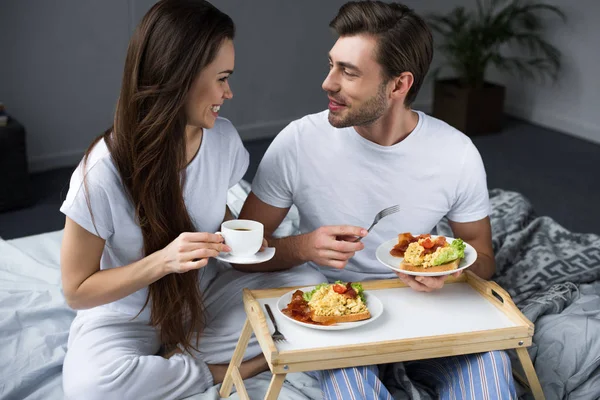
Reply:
x=137 y=253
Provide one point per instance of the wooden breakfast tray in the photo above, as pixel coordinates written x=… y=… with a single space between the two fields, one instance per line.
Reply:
x=469 y=315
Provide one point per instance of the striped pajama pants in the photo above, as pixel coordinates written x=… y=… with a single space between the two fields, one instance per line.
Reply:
x=472 y=376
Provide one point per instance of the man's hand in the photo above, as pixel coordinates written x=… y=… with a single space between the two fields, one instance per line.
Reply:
x=425 y=283
x=333 y=246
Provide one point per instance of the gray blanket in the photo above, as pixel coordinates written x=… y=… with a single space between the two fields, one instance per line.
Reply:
x=553 y=276
x=566 y=343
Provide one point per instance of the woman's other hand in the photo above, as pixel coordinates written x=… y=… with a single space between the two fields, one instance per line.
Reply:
x=248 y=369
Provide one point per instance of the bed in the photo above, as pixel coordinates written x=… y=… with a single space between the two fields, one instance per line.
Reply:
x=552 y=274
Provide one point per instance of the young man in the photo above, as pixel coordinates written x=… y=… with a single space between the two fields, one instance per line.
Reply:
x=369 y=151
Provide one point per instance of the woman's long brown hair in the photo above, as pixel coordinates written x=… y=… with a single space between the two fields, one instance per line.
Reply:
x=175 y=40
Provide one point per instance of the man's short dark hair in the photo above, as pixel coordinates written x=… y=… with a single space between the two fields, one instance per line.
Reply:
x=405 y=43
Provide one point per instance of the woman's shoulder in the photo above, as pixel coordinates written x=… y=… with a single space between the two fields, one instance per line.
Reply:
x=225 y=134
x=224 y=126
x=98 y=168
x=94 y=189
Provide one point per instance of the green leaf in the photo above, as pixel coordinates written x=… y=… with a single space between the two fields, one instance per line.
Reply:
x=308 y=295
x=359 y=290
x=453 y=252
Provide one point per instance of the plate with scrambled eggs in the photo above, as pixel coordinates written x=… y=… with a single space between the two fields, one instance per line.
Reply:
x=447 y=255
x=328 y=306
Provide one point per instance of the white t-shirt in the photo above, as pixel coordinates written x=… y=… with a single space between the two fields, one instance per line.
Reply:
x=220 y=163
x=337 y=177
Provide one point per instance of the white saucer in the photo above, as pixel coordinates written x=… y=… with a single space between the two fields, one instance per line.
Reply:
x=257 y=258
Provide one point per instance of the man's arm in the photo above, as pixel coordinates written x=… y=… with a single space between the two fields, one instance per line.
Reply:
x=228 y=214
x=321 y=246
x=285 y=256
x=479 y=235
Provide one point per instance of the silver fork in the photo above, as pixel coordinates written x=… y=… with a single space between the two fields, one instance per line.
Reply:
x=382 y=214
x=277 y=336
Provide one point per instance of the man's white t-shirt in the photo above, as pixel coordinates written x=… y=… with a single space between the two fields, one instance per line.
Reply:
x=337 y=177
x=220 y=163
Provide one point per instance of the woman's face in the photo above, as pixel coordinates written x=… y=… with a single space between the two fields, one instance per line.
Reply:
x=210 y=89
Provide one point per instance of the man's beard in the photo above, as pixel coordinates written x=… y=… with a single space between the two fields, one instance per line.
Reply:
x=368 y=113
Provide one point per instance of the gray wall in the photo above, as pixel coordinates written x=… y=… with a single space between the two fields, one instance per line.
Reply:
x=61 y=64
x=60 y=68
x=571 y=105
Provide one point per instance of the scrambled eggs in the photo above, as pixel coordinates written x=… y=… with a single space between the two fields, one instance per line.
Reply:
x=414 y=254
x=326 y=302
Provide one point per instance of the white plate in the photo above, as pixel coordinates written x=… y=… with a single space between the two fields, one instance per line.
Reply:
x=383 y=255
x=257 y=258
x=373 y=304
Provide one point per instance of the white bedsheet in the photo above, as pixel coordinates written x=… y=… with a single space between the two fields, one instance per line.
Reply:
x=35 y=321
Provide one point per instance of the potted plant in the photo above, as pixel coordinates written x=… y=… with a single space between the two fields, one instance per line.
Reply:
x=507 y=34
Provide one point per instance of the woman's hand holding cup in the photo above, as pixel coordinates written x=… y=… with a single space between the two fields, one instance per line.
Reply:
x=191 y=250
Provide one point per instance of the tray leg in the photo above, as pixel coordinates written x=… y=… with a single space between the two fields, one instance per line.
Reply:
x=239 y=384
x=275 y=386
x=534 y=383
x=233 y=374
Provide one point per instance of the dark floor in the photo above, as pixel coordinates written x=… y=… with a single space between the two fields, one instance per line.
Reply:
x=558 y=173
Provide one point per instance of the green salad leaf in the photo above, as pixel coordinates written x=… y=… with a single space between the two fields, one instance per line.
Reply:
x=308 y=295
x=453 y=252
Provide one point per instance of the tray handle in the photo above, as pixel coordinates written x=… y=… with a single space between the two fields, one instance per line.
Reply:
x=500 y=294
x=496 y=294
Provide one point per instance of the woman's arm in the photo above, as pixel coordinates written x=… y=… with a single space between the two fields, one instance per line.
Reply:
x=248 y=369
x=86 y=286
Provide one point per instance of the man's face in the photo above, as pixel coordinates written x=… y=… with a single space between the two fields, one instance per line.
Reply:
x=355 y=86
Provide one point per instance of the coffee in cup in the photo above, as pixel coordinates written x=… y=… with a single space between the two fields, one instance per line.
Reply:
x=243 y=236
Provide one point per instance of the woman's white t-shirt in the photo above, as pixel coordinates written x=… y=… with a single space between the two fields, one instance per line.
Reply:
x=220 y=163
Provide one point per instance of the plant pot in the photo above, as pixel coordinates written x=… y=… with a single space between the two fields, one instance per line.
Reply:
x=473 y=111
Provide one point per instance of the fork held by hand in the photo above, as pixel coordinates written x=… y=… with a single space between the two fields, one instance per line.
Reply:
x=277 y=336
x=382 y=214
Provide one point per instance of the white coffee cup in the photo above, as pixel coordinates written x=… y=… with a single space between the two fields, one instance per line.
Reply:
x=243 y=236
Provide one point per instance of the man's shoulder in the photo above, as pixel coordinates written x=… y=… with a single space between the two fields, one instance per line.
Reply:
x=443 y=134
x=316 y=121
x=435 y=126
x=306 y=129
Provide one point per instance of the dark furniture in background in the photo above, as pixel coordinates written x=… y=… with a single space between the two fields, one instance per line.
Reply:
x=14 y=175
x=472 y=111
